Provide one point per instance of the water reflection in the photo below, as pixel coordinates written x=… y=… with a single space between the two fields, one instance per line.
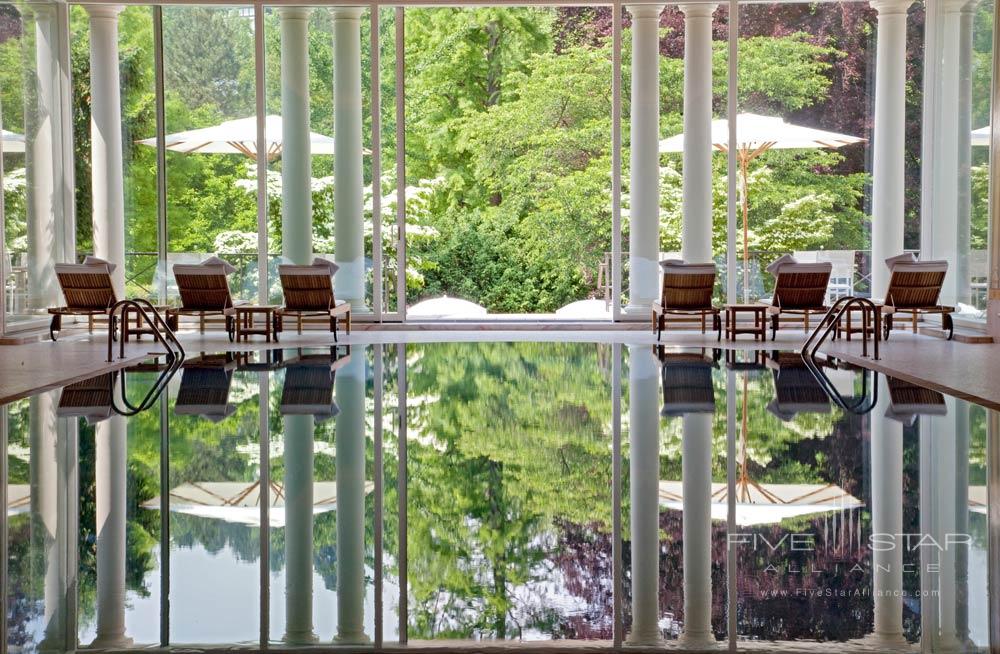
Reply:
x=246 y=508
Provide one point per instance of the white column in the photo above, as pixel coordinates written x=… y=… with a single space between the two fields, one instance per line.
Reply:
x=696 y=465
x=298 y=458
x=889 y=145
x=44 y=244
x=644 y=482
x=961 y=482
x=107 y=184
x=696 y=229
x=887 y=518
x=644 y=171
x=47 y=478
x=350 y=446
x=348 y=214
x=111 y=488
x=946 y=231
x=296 y=158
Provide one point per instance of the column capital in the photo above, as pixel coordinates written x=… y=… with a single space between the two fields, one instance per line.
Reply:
x=347 y=13
x=698 y=10
x=889 y=7
x=294 y=13
x=104 y=11
x=42 y=11
x=644 y=11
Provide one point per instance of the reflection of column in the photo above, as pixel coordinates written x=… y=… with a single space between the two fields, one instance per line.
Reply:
x=298 y=530
x=350 y=445
x=644 y=195
x=47 y=469
x=107 y=184
x=948 y=236
x=348 y=211
x=888 y=180
x=943 y=474
x=697 y=491
x=962 y=521
x=644 y=482
x=110 y=482
x=296 y=164
x=887 y=518
x=696 y=236
x=43 y=241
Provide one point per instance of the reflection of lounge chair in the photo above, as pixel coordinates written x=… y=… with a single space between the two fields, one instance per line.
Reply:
x=686 y=291
x=205 y=383
x=908 y=401
x=308 y=291
x=795 y=389
x=204 y=291
x=90 y=399
x=88 y=290
x=799 y=290
x=914 y=288
x=309 y=382
x=687 y=383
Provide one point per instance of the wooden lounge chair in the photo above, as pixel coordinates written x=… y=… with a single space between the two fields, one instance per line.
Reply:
x=308 y=292
x=799 y=291
x=204 y=291
x=914 y=288
x=686 y=291
x=88 y=290
x=204 y=389
x=309 y=380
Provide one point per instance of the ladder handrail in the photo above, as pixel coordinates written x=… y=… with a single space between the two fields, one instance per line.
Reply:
x=173 y=348
x=862 y=406
x=152 y=395
x=830 y=321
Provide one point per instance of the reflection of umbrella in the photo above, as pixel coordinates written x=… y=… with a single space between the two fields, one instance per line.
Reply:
x=763 y=504
x=238 y=137
x=978 y=499
x=981 y=136
x=11 y=142
x=756 y=135
x=18 y=499
x=451 y=308
x=239 y=502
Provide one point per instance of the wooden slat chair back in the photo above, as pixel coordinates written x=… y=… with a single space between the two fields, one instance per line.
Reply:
x=308 y=291
x=203 y=287
x=88 y=289
x=307 y=288
x=686 y=290
x=916 y=285
x=800 y=286
x=915 y=288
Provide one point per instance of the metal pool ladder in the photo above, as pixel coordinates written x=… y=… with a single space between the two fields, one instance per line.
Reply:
x=832 y=318
x=157 y=325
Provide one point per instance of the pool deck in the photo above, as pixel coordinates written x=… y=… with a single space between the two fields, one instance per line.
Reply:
x=967 y=371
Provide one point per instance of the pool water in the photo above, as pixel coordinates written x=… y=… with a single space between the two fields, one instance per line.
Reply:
x=496 y=491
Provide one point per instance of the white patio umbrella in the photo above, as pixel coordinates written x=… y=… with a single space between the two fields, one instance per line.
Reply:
x=981 y=136
x=12 y=142
x=755 y=135
x=18 y=499
x=239 y=502
x=448 y=308
x=238 y=137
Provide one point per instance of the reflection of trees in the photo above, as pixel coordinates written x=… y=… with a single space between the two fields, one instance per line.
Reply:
x=516 y=454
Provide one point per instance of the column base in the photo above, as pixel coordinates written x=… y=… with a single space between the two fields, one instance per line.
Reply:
x=644 y=640
x=351 y=639
x=111 y=642
x=638 y=310
x=359 y=308
x=301 y=638
x=698 y=640
x=885 y=642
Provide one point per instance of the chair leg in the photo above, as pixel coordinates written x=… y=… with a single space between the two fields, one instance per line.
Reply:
x=55 y=325
x=949 y=324
x=774 y=327
x=348 y=321
x=717 y=326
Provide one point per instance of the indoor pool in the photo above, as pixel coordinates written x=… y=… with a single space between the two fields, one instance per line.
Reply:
x=380 y=494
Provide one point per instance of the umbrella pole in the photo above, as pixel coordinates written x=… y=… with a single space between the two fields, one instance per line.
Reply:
x=746 y=229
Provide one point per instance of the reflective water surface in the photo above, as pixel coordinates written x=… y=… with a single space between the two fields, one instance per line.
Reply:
x=508 y=491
